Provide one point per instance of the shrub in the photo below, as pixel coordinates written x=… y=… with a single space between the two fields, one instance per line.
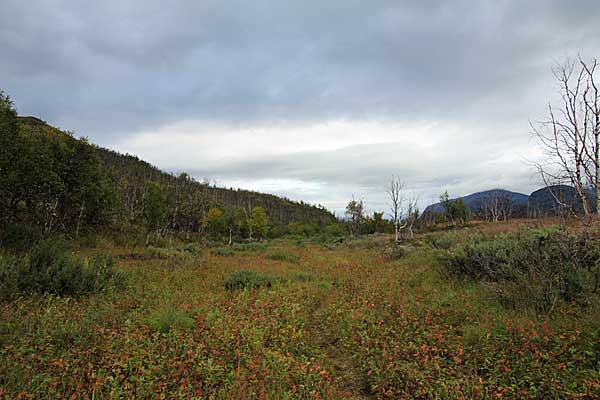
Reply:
x=535 y=267
x=165 y=320
x=444 y=241
x=280 y=255
x=222 y=251
x=19 y=238
x=191 y=248
x=9 y=271
x=396 y=251
x=100 y=273
x=49 y=269
x=254 y=246
x=243 y=279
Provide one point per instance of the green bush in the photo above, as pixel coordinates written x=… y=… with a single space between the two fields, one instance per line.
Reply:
x=191 y=248
x=280 y=255
x=396 y=251
x=254 y=246
x=10 y=268
x=532 y=267
x=243 y=279
x=49 y=269
x=222 y=251
x=19 y=238
x=444 y=241
x=165 y=320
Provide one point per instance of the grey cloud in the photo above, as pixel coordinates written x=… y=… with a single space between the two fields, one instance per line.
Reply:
x=111 y=69
x=364 y=171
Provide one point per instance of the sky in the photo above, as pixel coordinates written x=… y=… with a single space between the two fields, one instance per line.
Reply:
x=320 y=101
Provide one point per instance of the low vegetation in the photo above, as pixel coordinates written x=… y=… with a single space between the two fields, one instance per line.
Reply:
x=537 y=268
x=246 y=279
x=289 y=320
x=50 y=269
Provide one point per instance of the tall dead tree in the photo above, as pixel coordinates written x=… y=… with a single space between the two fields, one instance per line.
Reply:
x=497 y=206
x=403 y=210
x=394 y=192
x=410 y=214
x=570 y=137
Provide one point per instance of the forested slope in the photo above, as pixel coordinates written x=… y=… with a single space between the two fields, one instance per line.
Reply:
x=55 y=182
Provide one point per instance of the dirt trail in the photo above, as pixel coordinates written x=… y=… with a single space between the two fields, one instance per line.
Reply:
x=339 y=363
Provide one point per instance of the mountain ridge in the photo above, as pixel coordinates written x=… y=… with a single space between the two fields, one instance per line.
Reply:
x=476 y=201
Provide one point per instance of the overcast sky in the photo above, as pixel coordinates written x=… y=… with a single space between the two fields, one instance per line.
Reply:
x=315 y=100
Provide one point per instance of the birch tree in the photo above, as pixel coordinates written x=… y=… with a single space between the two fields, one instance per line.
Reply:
x=396 y=202
x=403 y=209
x=570 y=136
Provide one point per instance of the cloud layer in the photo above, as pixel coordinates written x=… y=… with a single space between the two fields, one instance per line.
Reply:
x=315 y=100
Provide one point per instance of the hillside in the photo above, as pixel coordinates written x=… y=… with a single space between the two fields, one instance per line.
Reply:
x=476 y=202
x=549 y=201
x=188 y=200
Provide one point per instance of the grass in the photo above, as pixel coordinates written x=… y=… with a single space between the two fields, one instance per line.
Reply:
x=342 y=322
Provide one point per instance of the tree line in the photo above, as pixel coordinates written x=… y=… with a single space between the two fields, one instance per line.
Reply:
x=52 y=181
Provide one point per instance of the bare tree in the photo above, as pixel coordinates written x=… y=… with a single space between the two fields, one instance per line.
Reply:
x=497 y=206
x=410 y=215
x=570 y=137
x=396 y=202
x=591 y=100
x=403 y=210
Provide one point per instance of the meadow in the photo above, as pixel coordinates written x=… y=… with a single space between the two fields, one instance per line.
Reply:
x=294 y=319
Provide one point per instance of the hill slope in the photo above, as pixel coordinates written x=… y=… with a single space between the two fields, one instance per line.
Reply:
x=188 y=199
x=547 y=201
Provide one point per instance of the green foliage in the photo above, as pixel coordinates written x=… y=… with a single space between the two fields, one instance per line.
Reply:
x=10 y=269
x=215 y=222
x=301 y=229
x=19 y=238
x=54 y=182
x=455 y=210
x=399 y=329
x=49 y=269
x=376 y=224
x=354 y=216
x=396 y=251
x=234 y=222
x=282 y=255
x=252 y=247
x=246 y=279
x=10 y=152
x=155 y=208
x=191 y=249
x=335 y=230
x=165 y=320
x=258 y=223
x=534 y=267
x=445 y=241
x=222 y=251
x=50 y=180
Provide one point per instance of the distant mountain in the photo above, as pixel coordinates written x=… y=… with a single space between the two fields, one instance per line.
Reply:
x=547 y=201
x=477 y=201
